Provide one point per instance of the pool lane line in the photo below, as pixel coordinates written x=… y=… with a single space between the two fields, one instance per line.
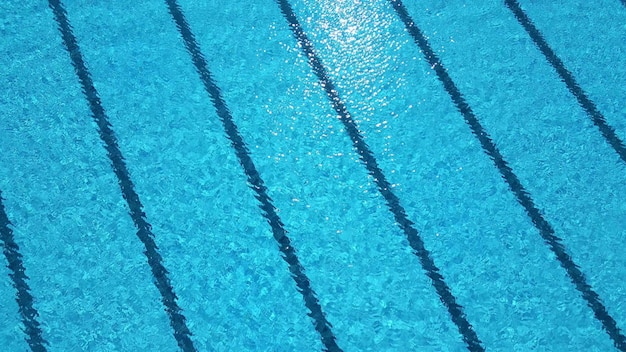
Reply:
x=607 y=131
x=17 y=273
x=598 y=119
x=523 y=197
x=144 y=229
x=322 y=325
x=384 y=187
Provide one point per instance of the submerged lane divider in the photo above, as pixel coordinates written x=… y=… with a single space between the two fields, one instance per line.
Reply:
x=18 y=274
x=323 y=327
x=587 y=104
x=393 y=202
x=144 y=229
x=523 y=197
x=607 y=132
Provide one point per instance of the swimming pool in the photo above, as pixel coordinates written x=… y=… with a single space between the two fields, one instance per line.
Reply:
x=313 y=175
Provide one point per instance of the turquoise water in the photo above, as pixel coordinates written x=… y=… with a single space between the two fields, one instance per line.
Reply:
x=75 y=231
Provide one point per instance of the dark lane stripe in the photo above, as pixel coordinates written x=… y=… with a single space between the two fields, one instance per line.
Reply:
x=523 y=197
x=322 y=325
x=18 y=274
x=144 y=229
x=367 y=157
x=587 y=104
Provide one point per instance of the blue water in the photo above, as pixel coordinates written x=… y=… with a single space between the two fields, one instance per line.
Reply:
x=86 y=267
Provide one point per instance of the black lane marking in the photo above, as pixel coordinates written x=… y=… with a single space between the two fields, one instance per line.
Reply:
x=607 y=131
x=523 y=197
x=322 y=325
x=144 y=229
x=393 y=202
x=18 y=274
x=593 y=300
